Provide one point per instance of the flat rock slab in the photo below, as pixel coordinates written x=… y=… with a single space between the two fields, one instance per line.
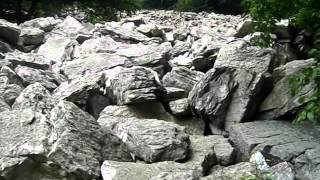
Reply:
x=32 y=60
x=152 y=110
x=183 y=78
x=112 y=170
x=150 y=139
x=280 y=141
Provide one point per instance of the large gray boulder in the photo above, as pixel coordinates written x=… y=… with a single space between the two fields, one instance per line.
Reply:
x=280 y=141
x=31 y=36
x=35 y=97
x=112 y=170
x=180 y=107
x=211 y=97
x=227 y=96
x=181 y=77
x=47 y=79
x=76 y=141
x=32 y=60
x=150 y=139
x=9 y=31
x=94 y=63
x=4 y=106
x=123 y=33
x=240 y=54
x=132 y=85
x=151 y=110
x=57 y=49
x=225 y=153
x=5 y=47
x=153 y=56
x=281 y=101
x=10 y=85
x=45 y=24
x=69 y=26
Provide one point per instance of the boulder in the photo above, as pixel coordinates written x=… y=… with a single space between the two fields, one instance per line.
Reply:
x=238 y=171
x=47 y=79
x=120 y=32
x=31 y=36
x=150 y=30
x=172 y=93
x=244 y=28
x=76 y=141
x=112 y=170
x=152 y=56
x=180 y=48
x=5 y=47
x=57 y=49
x=31 y=60
x=79 y=90
x=35 y=97
x=45 y=24
x=150 y=139
x=209 y=106
x=9 y=32
x=132 y=85
x=225 y=153
x=281 y=101
x=151 y=110
x=70 y=26
x=181 y=77
x=93 y=63
x=280 y=141
x=240 y=54
x=10 y=86
x=188 y=175
x=180 y=107
x=4 y=106
x=104 y=44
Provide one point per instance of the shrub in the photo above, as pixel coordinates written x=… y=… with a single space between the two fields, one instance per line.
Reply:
x=302 y=14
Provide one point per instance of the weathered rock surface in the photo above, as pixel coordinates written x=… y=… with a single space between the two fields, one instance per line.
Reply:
x=180 y=107
x=112 y=170
x=281 y=101
x=45 y=24
x=57 y=49
x=151 y=110
x=181 y=77
x=150 y=139
x=46 y=78
x=280 y=141
x=9 y=31
x=133 y=85
x=35 y=97
x=32 y=60
x=4 y=106
x=240 y=54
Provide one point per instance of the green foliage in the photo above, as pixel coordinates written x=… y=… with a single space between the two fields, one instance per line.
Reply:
x=22 y=10
x=303 y=14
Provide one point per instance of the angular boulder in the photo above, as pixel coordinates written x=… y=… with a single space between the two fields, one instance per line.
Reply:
x=32 y=60
x=45 y=24
x=181 y=77
x=280 y=141
x=180 y=107
x=112 y=170
x=47 y=79
x=9 y=32
x=150 y=139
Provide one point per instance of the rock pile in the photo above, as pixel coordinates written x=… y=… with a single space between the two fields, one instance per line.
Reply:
x=160 y=95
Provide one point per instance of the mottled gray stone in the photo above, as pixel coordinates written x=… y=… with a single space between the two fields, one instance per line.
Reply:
x=4 y=106
x=47 y=79
x=46 y=24
x=150 y=139
x=280 y=100
x=240 y=54
x=112 y=170
x=180 y=107
x=35 y=97
x=181 y=77
x=32 y=60
x=280 y=141
x=150 y=110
